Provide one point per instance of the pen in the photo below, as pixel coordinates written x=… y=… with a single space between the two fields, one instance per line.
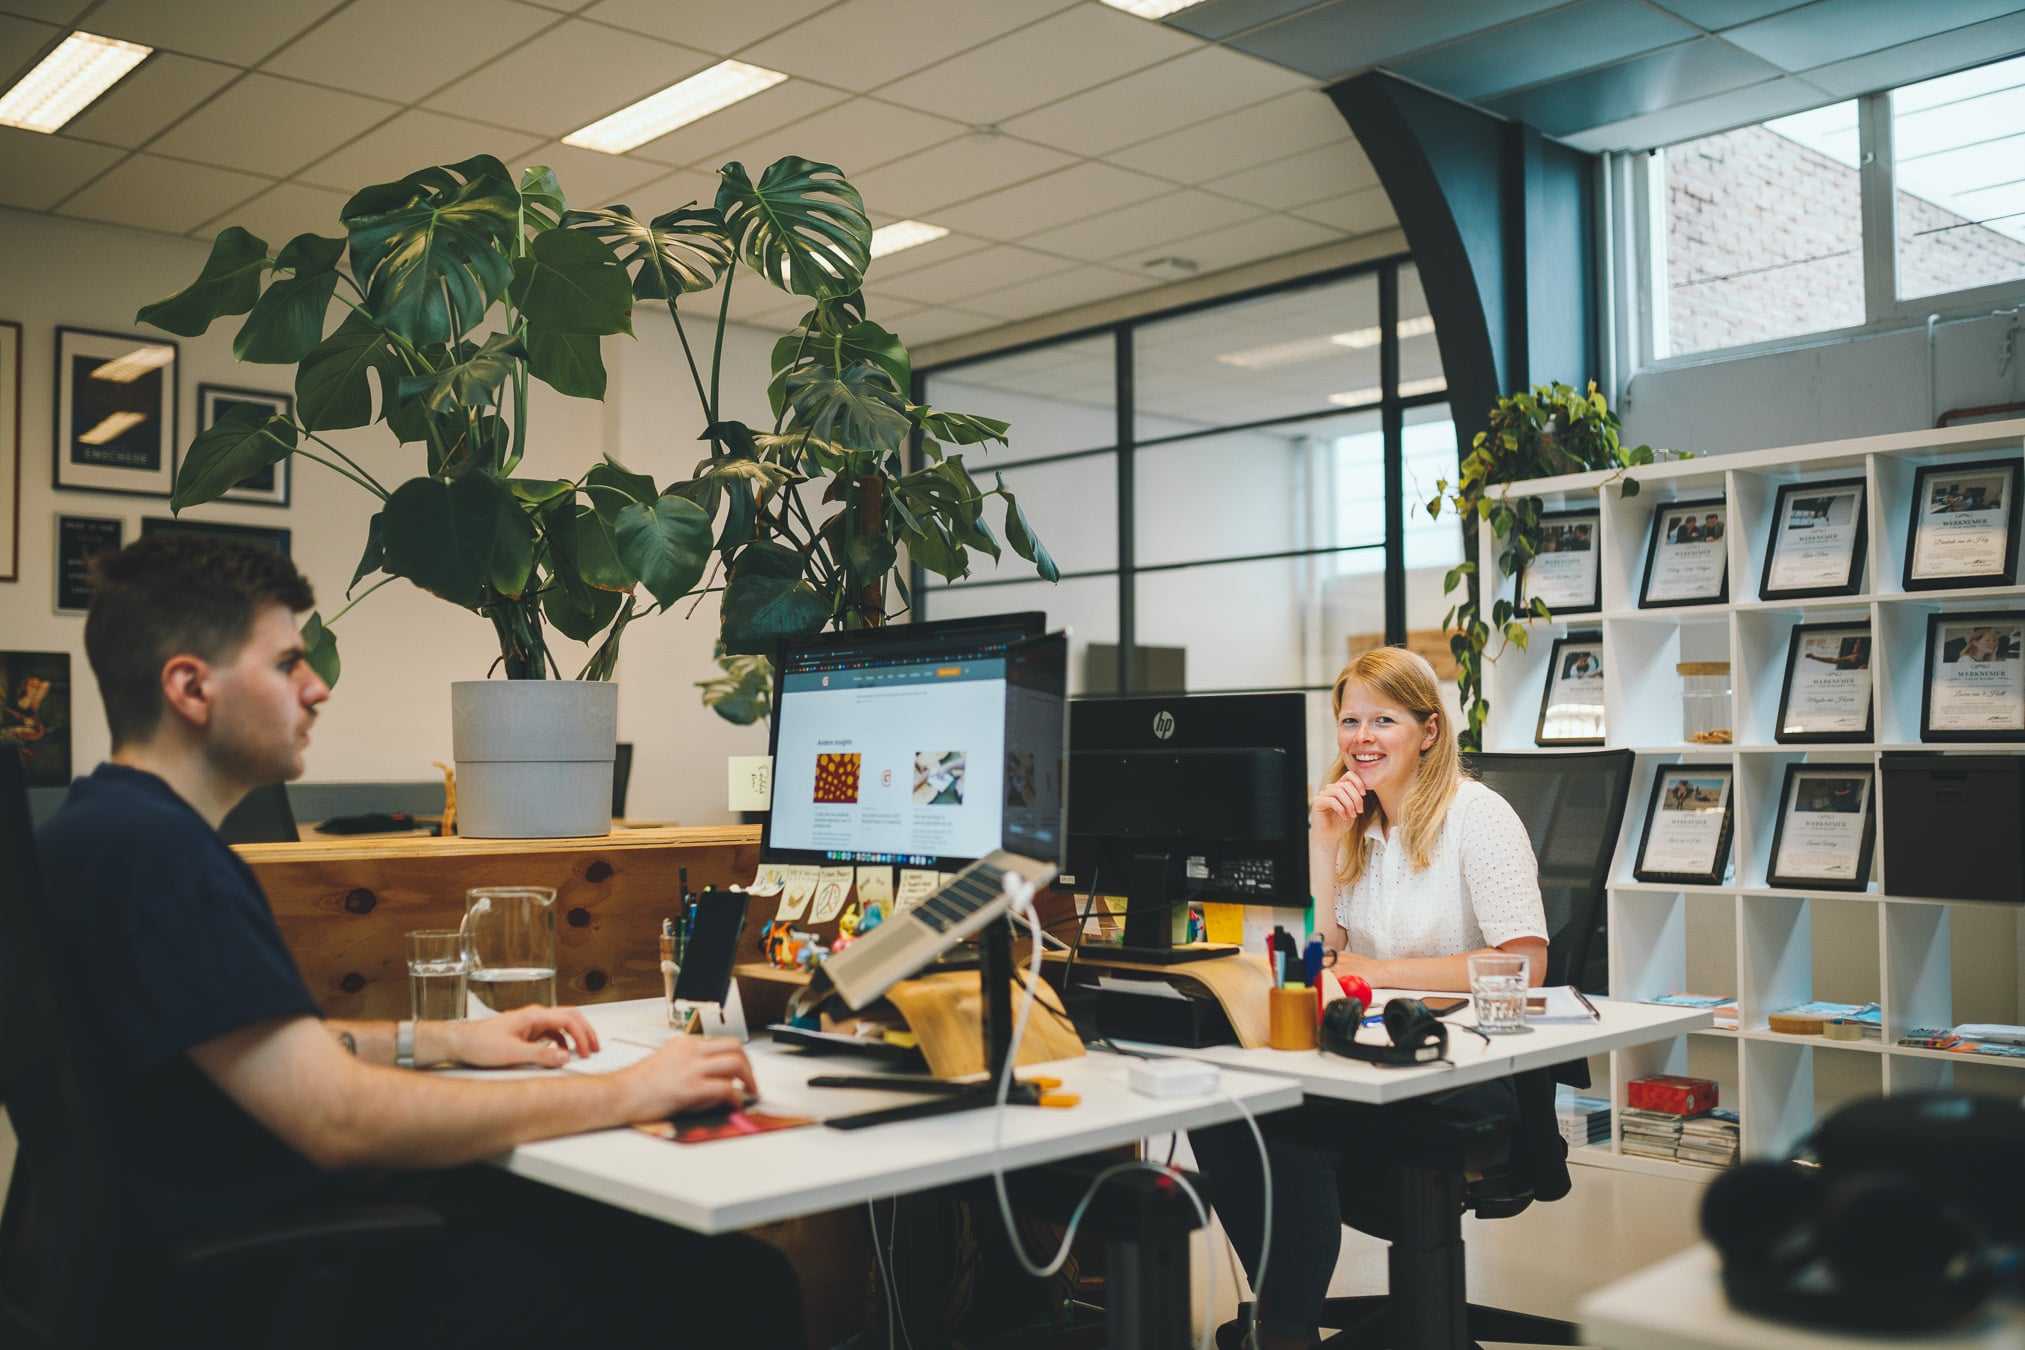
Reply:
x=1583 y=999
x=682 y=912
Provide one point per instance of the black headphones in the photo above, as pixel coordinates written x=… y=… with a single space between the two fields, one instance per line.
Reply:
x=1870 y=1250
x=1417 y=1035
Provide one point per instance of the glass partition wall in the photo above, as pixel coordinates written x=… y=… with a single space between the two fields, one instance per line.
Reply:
x=1235 y=492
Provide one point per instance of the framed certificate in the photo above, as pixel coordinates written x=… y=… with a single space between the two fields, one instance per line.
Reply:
x=1687 y=825
x=1826 y=696
x=1563 y=574
x=1687 y=563
x=1975 y=685
x=1571 y=708
x=1825 y=830
x=1818 y=538
x=1964 y=529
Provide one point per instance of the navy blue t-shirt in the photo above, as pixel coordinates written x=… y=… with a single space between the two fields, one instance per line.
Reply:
x=171 y=944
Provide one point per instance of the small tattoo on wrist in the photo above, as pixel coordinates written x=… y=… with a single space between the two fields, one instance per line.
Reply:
x=351 y=1046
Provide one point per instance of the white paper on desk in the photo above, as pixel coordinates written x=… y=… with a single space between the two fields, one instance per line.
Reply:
x=1562 y=1006
x=1151 y=988
x=612 y=1056
x=799 y=886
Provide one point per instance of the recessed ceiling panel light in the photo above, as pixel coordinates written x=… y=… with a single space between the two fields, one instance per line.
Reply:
x=67 y=81
x=904 y=234
x=1357 y=398
x=678 y=105
x=1152 y=9
x=136 y=363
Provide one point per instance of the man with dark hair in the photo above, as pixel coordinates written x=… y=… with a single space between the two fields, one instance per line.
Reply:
x=244 y=1099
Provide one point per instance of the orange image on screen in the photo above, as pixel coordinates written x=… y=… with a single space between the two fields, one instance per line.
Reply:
x=837 y=778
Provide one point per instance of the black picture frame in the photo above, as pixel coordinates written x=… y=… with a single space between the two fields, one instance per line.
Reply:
x=1923 y=487
x=270 y=486
x=2010 y=654
x=1849 y=631
x=1786 y=512
x=1571 y=648
x=1716 y=506
x=78 y=540
x=36 y=714
x=133 y=413
x=276 y=539
x=1797 y=774
x=1663 y=785
x=10 y=450
x=1571 y=521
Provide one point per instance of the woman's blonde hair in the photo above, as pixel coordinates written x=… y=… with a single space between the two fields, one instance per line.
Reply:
x=1402 y=678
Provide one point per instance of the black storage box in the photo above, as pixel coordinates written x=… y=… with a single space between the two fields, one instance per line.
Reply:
x=1954 y=826
x=1195 y=1019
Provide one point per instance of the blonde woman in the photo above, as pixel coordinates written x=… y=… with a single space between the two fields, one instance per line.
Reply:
x=1413 y=868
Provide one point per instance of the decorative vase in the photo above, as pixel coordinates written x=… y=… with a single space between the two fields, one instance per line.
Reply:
x=534 y=757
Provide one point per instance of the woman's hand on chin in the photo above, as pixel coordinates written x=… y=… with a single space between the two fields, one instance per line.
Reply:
x=1337 y=807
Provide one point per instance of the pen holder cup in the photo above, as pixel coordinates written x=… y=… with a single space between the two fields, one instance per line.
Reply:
x=1290 y=1019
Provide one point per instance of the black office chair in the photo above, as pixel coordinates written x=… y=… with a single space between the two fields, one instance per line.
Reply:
x=73 y=1272
x=622 y=773
x=263 y=816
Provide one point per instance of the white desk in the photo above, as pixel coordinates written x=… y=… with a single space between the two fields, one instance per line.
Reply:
x=1678 y=1304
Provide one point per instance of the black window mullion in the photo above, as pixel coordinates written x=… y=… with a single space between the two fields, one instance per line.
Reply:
x=1393 y=421
x=1128 y=640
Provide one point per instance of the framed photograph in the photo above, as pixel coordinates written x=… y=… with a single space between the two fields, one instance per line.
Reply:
x=1687 y=825
x=115 y=413
x=1564 y=573
x=79 y=539
x=1975 y=685
x=10 y=451
x=1826 y=696
x=1818 y=538
x=269 y=487
x=278 y=540
x=1571 y=708
x=1825 y=830
x=1964 y=529
x=35 y=714
x=1687 y=562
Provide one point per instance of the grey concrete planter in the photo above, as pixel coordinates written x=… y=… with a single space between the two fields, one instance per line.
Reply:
x=534 y=757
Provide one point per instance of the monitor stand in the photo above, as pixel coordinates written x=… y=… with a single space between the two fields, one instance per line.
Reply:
x=1149 y=915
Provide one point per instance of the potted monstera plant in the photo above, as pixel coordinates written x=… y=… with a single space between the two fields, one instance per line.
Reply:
x=451 y=289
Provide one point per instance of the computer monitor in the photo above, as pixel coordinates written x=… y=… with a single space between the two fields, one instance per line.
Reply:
x=1184 y=799
x=262 y=816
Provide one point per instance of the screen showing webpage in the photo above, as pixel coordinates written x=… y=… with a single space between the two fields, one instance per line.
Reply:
x=901 y=763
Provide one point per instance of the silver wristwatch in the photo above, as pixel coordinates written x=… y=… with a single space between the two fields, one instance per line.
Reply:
x=404 y=1045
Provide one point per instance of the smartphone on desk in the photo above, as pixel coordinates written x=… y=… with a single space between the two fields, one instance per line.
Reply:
x=1442 y=1007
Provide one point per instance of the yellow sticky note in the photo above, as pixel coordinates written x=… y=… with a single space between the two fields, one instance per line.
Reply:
x=1226 y=923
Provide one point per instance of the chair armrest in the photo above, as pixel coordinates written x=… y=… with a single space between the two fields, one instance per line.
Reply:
x=330 y=1230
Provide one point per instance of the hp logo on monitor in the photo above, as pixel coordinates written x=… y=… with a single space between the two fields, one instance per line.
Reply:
x=1163 y=724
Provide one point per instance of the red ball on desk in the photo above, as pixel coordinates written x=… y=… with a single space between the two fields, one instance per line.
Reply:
x=1357 y=987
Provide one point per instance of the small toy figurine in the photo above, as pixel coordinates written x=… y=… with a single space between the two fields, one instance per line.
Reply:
x=848 y=923
x=808 y=952
x=779 y=944
x=874 y=915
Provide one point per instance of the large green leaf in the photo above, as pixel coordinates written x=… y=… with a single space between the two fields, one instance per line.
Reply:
x=244 y=440
x=569 y=282
x=541 y=197
x=959 y=428
x=675 y=253
x=375 y=555
x=229 y=284
x=455 y=538
x=767 y=600
x=319 y=648
x=1021 y=536
x=432 y=249
x=932 y=547
x=869 y=557
x=569 y=363
x=802 y=225
x=858 y=408
x=287 y=320
x=331 y=389
x=597 y=555
x=612 y=485
x=864 y=341
x=580 y=618
x=474 y=377
x=666 y=544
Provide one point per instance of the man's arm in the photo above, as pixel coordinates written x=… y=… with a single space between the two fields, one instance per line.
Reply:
x=530 y=1035
x=293 y=1076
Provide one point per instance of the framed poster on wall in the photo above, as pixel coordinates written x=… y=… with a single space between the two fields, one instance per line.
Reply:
x=258 y=536
x=79 y=539
x=268 y=487
x=115 y=413
x=10 y=450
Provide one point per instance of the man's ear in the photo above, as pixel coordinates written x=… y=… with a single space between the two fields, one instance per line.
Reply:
x=186 y=689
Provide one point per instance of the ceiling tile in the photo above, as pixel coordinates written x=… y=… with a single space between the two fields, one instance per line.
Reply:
x=986 y=270
x=1344 y=36
x=21 y=45
x=1251 y=241
x=38 y=171
x=1297 y=180
x=60 y=12
x=159 y=91
x=1719 y=14
x=521 y=87
x=1835 y=30
x=864 y=131
x=1590 y=33
x=939 y=323
x=861 y=44
x=1073 y=194
x=1221 y=18
x=281 y=213
x=1630 y=88
x=271 y=126
x=1075 y=50
x=1136 y=229
x=590 y=179
x=1296 y=122
x=704 y=142
x=954 y=171
x=414 y=140
x=718 y=28
x=559 y=6
x=1705 y=116
x=1176 y=93
x=376 y=47
x=240 y=32
x=1922 y=60
x=1354 y=212
x=922 y=255
x=1064 y=290
x=163 y=194
x=682 y=188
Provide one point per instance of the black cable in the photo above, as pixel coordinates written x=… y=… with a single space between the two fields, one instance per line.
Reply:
x=1082 y=931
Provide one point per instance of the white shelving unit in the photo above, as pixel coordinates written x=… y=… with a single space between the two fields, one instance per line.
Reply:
x=1770 y=947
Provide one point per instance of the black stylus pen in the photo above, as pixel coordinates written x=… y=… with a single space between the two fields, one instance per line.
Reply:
x=1583 y=999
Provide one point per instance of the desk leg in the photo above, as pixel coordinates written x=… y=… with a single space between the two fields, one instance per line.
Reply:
x=1429 y=1302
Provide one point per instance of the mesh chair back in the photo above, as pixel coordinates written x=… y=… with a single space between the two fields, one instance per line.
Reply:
x=1572 y=805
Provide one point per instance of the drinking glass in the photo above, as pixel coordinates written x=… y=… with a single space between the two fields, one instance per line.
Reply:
x=509 y=941
x=436 y=970
x=1498 y=985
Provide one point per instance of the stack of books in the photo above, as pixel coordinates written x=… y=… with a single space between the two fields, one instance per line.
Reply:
x=1583 y=1120
x=1722 y=1005
x=1709 y=1139
x=1996 y=1040
x=1650 y=1134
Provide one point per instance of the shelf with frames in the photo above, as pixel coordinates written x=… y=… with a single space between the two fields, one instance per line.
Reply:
x=1771 y=947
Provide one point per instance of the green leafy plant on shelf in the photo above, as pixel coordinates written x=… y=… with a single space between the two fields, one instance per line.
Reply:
x=1550 y=430
x=428 y=261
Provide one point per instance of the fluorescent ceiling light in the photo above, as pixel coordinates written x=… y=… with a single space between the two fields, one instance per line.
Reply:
x=113 y=427
x=1152 y=9
x=1297 y=350
x=904 y=234
x=136 y=363
x=1357 y=398
x=68 y=80
x=1368 y=337
x=678 y=105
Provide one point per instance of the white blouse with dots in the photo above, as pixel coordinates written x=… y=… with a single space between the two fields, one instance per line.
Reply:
x=1481 y=887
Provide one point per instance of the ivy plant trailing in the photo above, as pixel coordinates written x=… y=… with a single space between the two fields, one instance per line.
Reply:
x=1550 y=430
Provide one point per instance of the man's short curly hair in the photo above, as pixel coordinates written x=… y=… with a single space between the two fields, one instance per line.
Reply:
x=170 y=595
